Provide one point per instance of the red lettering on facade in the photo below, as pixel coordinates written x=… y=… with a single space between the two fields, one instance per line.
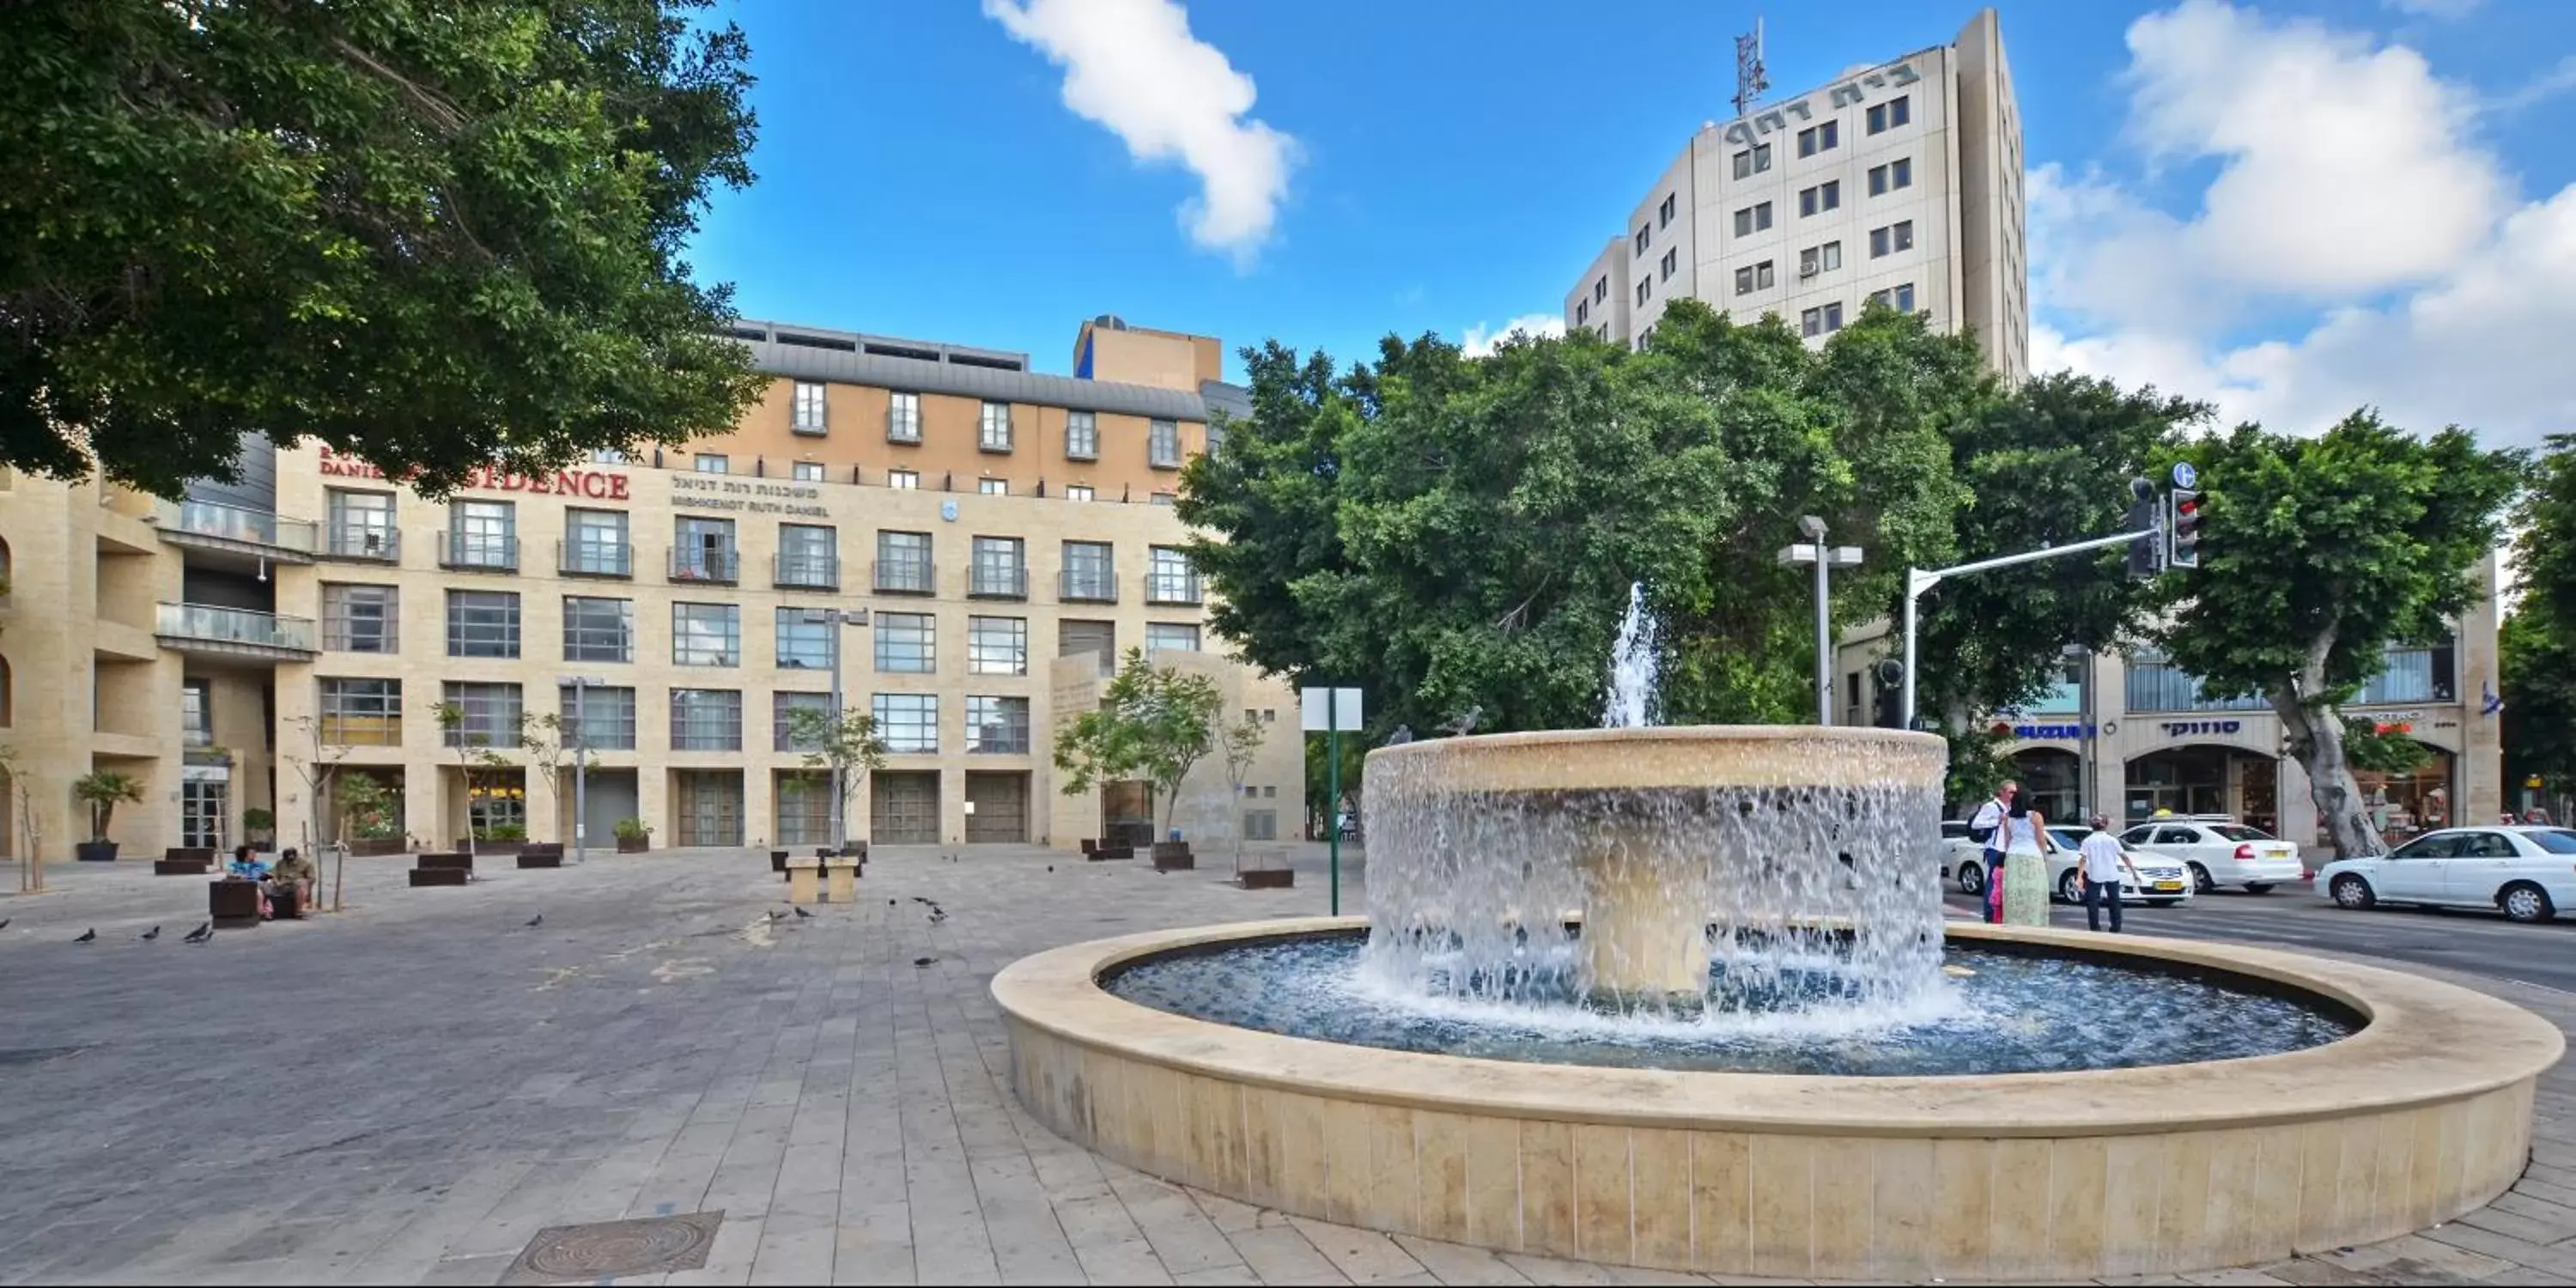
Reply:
x=487 y=478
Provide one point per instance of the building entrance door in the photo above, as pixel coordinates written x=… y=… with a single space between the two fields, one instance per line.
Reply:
x=201 y=812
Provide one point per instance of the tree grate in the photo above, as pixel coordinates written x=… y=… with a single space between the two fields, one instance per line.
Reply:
x=614 y=1249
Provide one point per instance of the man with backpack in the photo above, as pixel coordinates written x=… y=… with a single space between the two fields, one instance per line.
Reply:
x=1983 y=828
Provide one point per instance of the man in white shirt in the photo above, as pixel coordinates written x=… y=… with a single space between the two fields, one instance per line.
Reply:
x=1986 y=827
x=2099 y=860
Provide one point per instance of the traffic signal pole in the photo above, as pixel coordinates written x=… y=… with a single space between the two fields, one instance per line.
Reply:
x=1919 y=580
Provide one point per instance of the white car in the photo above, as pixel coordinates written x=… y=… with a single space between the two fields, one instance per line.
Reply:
x=2528 y=872
x=2220 y=854
x=2150 y=879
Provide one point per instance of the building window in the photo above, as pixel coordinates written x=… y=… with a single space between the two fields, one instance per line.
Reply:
x=482 y=534
x=1000 y=568
x=703 y=550
x=1090 y=572
x=1169 y=578
x=907 y=723
x=706 y=635
x=903 y=563
x=1260 y=824
x=1163 y=445
x=1896 y=174
x=1756 y=277
x=1171 y=635
x=598 y=630
x=711 y=463
x=903 y=418
x=1644 y=288
x=482 y=623
x=993 y=487
x=1753 y=219
x=1820 y=259
x=1081 y=436
x=1162 y=498
x=1672 y=261
x=809 y=556
x=1752 y=161
x=995 y=435
x=1820 y=137
x=783 y=709
x=1078 y=492
x=1899 y=298
x=361 y=619
x=997 y=726
x=1821 y=198
x=809 y=408
x=1582 y=312
x=997 y=646
x=903 y=480
x=1664 y=213
x=491 y=713
x=362 y=713
x=805 y=645
x=1890 y=114
x=1891 y=239
x=706 y=719
x=196 y=714
x=1601 y=289
x=1833 y=317
x=362 y=524
x=806 y=471
x=607 y=456
x=595 y=543
x=599 y=718
x=907 y=643
x=1643 y=235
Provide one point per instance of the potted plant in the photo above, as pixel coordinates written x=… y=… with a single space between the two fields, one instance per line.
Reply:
x=368 y=815
x=262 y=825
x=634 y=836
x=102 y=790
x=500 y=838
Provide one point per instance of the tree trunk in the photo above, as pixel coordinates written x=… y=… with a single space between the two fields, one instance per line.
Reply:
x=2317 y=735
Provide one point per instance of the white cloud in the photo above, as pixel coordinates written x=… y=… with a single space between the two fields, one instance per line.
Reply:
x=1480 y=340
x=1133 y=67
x=2351 y=184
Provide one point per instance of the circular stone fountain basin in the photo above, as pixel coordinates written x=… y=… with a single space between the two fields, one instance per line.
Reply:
x=2421 y=1114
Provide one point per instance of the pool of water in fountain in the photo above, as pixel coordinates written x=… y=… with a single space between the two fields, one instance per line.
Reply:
x=1994 y=1012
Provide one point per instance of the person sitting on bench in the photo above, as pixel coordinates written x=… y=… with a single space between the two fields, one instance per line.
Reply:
x=245 y=865
x=294 y=873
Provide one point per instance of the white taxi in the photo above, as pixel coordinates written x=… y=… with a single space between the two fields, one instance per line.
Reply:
x=2220 y=854
x=2529 y=873
x=2144 y=878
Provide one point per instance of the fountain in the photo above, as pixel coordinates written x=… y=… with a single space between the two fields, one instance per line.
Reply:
x=1682 y=997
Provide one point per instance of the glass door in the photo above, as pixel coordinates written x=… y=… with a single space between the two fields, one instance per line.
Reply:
x=201 y=813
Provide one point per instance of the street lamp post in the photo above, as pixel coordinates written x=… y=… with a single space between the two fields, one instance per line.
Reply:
x=1826 y=558
x=838 y=618
x=580 y=766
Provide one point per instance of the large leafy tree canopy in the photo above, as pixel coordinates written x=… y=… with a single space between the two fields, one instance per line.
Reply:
x=1453 y=533
x=2317 y=554
x=2537 y=647
x=428 y=234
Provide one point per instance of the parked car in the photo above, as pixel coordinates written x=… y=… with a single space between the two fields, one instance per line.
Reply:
x=2528 y=872
x=2146 y=878
x=2220 y=854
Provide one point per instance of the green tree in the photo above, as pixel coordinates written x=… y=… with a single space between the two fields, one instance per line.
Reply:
x=2536 y=656
x=2318 y=554
x=431 y=235
x=2544 y=552
x=845 y=741
x=1153 y=722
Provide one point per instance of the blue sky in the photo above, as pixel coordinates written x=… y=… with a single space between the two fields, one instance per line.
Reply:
x=2288 y=208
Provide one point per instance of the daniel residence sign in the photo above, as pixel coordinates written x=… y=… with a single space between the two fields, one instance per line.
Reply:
x=589 y=484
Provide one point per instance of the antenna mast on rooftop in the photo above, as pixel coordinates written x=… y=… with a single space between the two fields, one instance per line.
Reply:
x=1749 y=80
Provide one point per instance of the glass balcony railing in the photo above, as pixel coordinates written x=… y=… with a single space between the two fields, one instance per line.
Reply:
x=700 y=562
x=483 y=550
x=998 y=581
x=236 y=523
x=211 y=624
x=597 y=558
x=807 y=571
x=1088 y=586
x=1171 y=588
x=363 y=541
x=904 y=576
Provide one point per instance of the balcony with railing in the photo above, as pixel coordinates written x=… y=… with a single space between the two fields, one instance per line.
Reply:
x=234 y=632
x=2162 y=686
x=806 y=571
x=2412 y=675
x=1087 y=586
x=706 y=563
x=1171 y=588
x=213 y=525
x=362 y=541
x=595 y=558
x=998 y=581
x=478 y=551
x=904 y=577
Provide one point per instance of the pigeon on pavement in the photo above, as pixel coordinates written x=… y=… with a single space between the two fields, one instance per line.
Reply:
x=152 y=934
x=938 y=915
x=536 y=921
x=87 y=935
x=802 y=913
x=923 y=961
x=205 y=930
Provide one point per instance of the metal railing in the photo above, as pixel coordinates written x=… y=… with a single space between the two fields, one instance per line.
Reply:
x=901 y=428
x=478 y=550
x=904 y=577
x=810 y=572
x=595 y=558
x=1171 y=588
x=705 y=563
x=992 y=582
x=1089 y=586
x=219 y=625
x=359 y=541
x=238 y=523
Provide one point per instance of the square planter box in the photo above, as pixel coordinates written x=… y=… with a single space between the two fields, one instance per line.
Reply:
x=634 y=845
x=1173 y=856
x=378 y=849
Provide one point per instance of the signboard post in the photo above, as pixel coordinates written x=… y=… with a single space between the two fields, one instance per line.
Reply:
x=1325 y=711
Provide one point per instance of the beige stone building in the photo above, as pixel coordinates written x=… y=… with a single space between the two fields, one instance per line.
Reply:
x=987 y=537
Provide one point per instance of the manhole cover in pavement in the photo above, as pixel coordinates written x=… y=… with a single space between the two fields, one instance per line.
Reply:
x=612 y=1249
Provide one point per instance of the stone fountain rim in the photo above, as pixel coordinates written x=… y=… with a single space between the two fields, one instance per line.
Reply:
x=1661 y=757
x=2425 y=1042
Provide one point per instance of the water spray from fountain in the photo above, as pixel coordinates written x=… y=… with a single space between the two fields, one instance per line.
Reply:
x=1635 y=662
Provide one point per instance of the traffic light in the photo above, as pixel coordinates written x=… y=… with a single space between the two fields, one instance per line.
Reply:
x=1891 y=676
x=2146 y=553
x=2182 y=528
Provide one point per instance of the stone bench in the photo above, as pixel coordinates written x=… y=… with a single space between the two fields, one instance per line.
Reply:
x=457 y=859
x=1107 y=853
x=1174 y=856
x=233 y=904
x=803 y=880
x=547 y=855
x=1265 y=870
x=182 y=867
x=440 y=876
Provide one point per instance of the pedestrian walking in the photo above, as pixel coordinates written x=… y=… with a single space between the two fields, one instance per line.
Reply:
x=1983 y=828
x=2025 y=874
x=2099 y=860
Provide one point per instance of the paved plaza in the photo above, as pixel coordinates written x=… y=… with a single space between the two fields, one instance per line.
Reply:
x=408 y=1091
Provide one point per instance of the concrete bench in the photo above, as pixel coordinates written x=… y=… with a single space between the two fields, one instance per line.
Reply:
x=548 y=855
x=1107 y=853
x=456 y=859
x=803 y=880
x=440 y=876
x=841 y=879
x=182 y=867
x=1174 y=856
x=233 y=904
x=1265 y=870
